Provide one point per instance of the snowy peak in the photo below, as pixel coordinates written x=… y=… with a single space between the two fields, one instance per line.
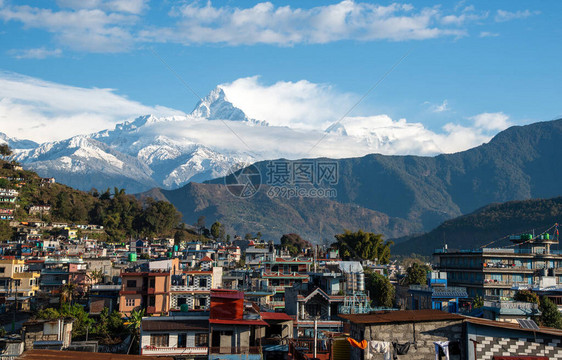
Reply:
x=17 y=143
x=216 y=106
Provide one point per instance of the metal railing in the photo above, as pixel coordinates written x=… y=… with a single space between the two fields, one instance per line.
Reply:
x=235 y=350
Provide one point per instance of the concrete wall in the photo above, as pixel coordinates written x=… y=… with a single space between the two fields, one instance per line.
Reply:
x=425 y=334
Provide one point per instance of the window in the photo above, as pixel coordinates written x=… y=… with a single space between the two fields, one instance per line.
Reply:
x=151 y=301
x=182 y=340
x=203 y=282
x=17 y=283
x=202 y=339
x=131 y=283
x=130 y=302
x=2 y=270
x=159 y=340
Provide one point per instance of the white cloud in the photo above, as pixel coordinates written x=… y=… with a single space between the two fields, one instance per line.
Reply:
x=488 y=34
x=444 y=106
x=38 y=53
x=297 y=111
x=300 y=104
x=43 y=111
x=492 y=121
x=265 y=23
x=84 y=29
x=127 y=6
x=503 y=15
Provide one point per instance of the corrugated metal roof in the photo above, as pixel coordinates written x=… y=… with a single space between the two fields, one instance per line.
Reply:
x=275 y=316
x=512 y=326
x=385 y=317
x=79 y=355
x=168 y=325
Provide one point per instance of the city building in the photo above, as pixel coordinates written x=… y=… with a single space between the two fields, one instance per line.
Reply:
x=494 y=271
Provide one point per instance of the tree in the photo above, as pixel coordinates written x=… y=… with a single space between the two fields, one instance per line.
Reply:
x=216 y=230
x=67 y=293
x=416 y=274
x=133 y=324
x=380 y=289
x=200 y=224
x=550 y=316
x=248 y=236
x=160 y=217
x=526 y=296
x=179 y=237
x=294 y=243
x=362 y=245
x=6 y=231
x=5 y=150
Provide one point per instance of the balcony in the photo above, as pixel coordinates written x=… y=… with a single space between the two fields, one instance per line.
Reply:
x=235 y=350
x=174 y=351
x=179 y=288
x=495 y=283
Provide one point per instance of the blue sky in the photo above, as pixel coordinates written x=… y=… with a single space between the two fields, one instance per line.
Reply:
x=498 y=60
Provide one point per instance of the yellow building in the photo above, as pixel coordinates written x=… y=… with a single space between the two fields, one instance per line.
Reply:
x=15 y=275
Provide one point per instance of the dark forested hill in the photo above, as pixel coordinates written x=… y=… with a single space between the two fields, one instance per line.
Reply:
x=490 y=223
x=522 y=162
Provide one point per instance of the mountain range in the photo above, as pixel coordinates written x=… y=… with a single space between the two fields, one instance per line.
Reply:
x=413 y=194
x=137 y=155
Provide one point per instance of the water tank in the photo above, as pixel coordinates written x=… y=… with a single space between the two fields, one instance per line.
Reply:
x=132 y=257
x=170 y=254
x=184 y=308
x=176 y=248
x=361 y=282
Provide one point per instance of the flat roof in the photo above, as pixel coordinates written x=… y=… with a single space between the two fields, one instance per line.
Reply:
x=512 y=326
x=167 y=325
x=400 y=316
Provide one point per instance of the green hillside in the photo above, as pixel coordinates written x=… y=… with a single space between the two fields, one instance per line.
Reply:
x=315 y=219
x=120 y=214
x=493 y=222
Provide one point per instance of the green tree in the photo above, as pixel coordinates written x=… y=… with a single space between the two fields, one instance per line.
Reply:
x=200 y=224
x=160 y=217
x=68 y=292
x=133 y=324
x=294 y=243
x=416 y=274
x=362 y=245
x=380 y=289
x=526 y=296
x=5 y=151
x=179 y=237
x=216 y=230
x=550 y=316
x=6 y=231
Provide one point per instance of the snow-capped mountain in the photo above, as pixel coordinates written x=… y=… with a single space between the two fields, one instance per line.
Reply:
x=137 y=155
x=17 y=143
x=171 y=151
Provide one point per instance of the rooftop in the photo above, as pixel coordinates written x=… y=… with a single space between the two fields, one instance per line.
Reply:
x=387 y=317
x=80 y=355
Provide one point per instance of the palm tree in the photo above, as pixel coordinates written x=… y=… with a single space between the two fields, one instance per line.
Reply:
x=133 y=323
x=67 y=293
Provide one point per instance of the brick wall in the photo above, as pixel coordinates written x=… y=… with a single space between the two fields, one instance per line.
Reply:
x=425 y=334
